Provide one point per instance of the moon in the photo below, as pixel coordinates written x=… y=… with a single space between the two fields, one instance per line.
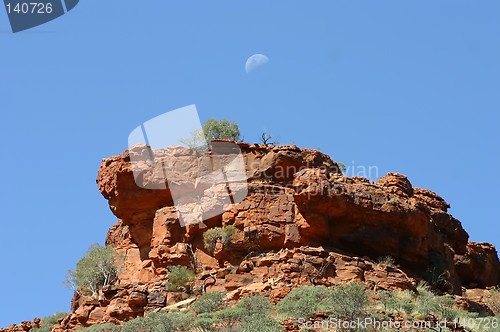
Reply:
x=255 y=61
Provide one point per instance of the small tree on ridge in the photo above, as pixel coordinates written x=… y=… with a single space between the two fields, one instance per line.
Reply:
x=97 y=269
x=221 y=129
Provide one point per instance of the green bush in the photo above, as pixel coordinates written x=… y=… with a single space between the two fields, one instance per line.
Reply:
x=303 y=301
x=229 y=316
x=98 y=268
x=160 y=322
x=206 y=322
x=249 y=308
x=209 y=302
x=254 y=307
x=179 y=279
x=425 y=302
x=200 y=139
x=108 y=327
x=262 y=324
x=228 y=233
x=254 y=315
x=221 y=129
x=423 y=305
x=211 y=236
x=348 y=302
x=387 y=300
x=387 y=261
x=444 y=307
x=48 y=322
x=401 y=302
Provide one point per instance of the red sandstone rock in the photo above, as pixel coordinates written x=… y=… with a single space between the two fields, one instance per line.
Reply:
x=479 y=266
x=24 y=326
x=302 y=223
x=322 y=208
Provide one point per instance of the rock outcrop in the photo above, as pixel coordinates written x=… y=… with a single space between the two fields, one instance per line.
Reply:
x=24 y=326
x=302 y=222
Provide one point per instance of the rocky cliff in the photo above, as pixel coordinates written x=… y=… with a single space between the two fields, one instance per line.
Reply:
x=302 y=222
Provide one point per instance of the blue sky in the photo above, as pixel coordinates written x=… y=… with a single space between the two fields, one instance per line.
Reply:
x=405 y=86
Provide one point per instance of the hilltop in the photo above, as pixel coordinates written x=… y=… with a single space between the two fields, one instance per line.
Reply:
x=302 y=222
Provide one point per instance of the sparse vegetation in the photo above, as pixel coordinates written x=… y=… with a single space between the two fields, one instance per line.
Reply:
x=436 y=274
x=196 y=141
x=422 y=305
x=108 y=327
x=264 y=324
x=345 y=302
x=211 y=236
x=425 y=299
x=200 y=139
x=351 y=302
x=304 y=301
x=348 y=302
x=251 y=314
x=99 y=267
x=254 y=315
x=387 y=261
x=160 y=322
x=209 y=302
x=221 y=129
x=49 y=322
x=179 y=279
x=256 y=306
x=493 y=301
x=227 y=233
x=266 y=139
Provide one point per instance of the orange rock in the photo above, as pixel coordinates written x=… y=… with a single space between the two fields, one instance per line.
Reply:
x=302 y=223
x=206 y=261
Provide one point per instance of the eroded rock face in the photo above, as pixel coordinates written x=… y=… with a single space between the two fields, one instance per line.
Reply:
x=295 y=197
x=273 y=274
x=302 y=222
x=149 y=228
x=478 y=257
